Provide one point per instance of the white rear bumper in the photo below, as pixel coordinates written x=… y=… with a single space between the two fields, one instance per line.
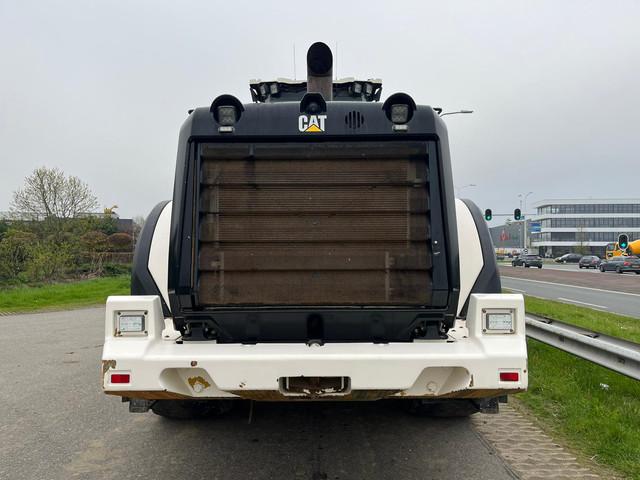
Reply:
x=468 y=365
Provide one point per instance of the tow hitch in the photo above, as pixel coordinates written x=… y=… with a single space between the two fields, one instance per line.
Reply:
x=315 y=386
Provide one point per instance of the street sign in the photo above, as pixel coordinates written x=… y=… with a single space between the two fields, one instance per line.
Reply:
x=535 y=227
x=525 y=250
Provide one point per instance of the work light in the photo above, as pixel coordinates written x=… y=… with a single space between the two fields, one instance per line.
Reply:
x=226 y=115
x=498 y=321
x=131 y=323
x=400 y=113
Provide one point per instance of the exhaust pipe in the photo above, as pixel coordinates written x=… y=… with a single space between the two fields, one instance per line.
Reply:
x=320 y=70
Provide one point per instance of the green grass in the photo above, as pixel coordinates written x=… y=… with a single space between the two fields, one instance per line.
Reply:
x=594 y=410
x=603 y=322
x=63 y=295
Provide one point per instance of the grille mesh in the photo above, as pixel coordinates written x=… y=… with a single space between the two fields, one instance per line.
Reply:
x=313 y=231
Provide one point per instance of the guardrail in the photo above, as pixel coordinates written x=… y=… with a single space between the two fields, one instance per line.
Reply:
x=614 y=353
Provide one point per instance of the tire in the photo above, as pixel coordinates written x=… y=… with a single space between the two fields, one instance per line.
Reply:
x=580 y=267
x=442 y=409
x=602 y=269
x=526 y=266
x=189 y=409
x=539 y=266
x=619 y=270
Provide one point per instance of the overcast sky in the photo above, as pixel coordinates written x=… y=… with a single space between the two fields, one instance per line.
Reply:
x=100 y=89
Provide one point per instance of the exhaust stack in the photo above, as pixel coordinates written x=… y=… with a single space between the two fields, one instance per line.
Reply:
x=320 y=70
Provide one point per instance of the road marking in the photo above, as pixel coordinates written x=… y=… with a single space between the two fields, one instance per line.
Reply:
x=572 y=286
x=583 y=303
x=518 y=290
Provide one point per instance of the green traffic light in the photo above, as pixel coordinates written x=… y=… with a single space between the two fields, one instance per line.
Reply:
x=623 y=241
x=517 y=214
x=488 y=215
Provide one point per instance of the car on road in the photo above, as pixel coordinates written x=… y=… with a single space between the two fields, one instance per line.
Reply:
x=621 y=264
x=527 y=261
x=569 y=258
x=589 y=261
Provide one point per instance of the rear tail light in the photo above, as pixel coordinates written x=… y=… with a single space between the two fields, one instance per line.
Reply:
x=627 y=264
x=120 y=378
x=509 y=376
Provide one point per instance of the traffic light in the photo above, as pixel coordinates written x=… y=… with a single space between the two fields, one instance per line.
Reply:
x=517 y=214
x=488 y=215
x=623 y=241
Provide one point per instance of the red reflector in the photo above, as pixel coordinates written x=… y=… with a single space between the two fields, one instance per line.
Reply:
x=122 y=378
x=509 y=376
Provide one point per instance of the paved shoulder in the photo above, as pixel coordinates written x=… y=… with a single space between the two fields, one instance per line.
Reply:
x=530 y=452
x=57 y=424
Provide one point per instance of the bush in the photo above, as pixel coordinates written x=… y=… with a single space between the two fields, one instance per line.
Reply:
x=15 y=252
x=115 y=269
x=120 y=242
x=94 y=241
x=48 y=262
x=57 y=249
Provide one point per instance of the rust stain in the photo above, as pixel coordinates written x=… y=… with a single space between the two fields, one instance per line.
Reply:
x=276 y=396
x=108 y=364
x=149 y=394
x=198 y=383
x=481 y=393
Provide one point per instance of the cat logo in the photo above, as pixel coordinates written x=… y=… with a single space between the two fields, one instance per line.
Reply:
x=311 y=123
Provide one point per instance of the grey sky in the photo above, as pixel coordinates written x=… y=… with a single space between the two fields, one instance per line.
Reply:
x=101 y=88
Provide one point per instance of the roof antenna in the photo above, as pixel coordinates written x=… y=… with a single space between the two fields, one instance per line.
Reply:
x=294 y=61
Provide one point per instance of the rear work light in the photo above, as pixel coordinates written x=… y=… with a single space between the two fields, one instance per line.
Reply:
x=400 y=113
x=226 y=115
x=120 y=378
x=497 y=320
x=131 y=323
x=509 y=376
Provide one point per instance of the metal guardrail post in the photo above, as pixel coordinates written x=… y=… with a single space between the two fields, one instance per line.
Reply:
x=614 y=353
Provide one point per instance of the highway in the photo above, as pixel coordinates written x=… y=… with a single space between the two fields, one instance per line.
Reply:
x=57 y=424
x=587 y=288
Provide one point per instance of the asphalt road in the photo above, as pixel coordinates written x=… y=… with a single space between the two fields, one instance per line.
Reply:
x=55 y=423
x=568 y=290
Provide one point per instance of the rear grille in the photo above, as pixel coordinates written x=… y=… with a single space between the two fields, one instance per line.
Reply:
x=302 y=227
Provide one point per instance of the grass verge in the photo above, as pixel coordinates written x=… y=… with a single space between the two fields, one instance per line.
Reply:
x=63 y=295
x=594 y=410
x=602 y=322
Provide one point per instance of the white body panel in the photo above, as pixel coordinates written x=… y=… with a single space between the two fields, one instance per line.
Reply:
x=159 y=252
x=471 y=261
x=467 y=365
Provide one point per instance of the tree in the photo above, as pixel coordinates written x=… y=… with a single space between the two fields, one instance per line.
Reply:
x=48 y=192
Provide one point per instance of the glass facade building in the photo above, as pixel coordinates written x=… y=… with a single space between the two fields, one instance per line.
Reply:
x=583 y=225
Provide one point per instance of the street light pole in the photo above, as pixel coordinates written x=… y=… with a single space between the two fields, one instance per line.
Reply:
x=464 y=186
x=457 y=111
x=523 y=206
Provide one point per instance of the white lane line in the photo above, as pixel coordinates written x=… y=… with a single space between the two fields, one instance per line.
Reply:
x=583 y=303
x=517 y=290
x=571 y=286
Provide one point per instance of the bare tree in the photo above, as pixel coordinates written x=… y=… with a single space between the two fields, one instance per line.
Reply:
x=48 y=192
